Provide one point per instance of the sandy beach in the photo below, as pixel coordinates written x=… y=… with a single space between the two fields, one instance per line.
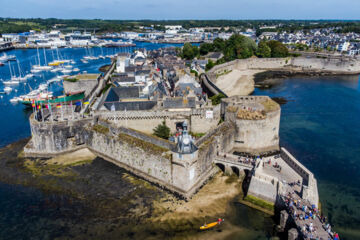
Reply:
x=237 y=82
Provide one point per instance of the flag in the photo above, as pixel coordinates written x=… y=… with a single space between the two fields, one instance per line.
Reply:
x=58 y=105
x=86 y=103
x=48 y=106
x=78 y=104
x=39 y=107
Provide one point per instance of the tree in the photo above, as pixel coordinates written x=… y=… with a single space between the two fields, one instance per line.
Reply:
x=219 y=44
x=209 y=65
x=162 y=131
x=216 y=99
x=264 y=51
x=189 y=51
x=277 y=49
x=239 y=46
x=205 y=48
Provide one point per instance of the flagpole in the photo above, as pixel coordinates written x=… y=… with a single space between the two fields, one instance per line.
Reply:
x=62 y=112
x=72 y=112
x=42 y=113
x=51 y=116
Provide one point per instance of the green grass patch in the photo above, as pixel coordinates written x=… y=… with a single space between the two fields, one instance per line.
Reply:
x=144 y=145
x=270 y=105
x=40 y=168
x=223 y=73
x=100 y=129
x=197 y=135
x=106 y=88
x=259 y=202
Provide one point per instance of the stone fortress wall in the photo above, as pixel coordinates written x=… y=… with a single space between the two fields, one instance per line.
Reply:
x=146 y=121
x=257 y=124
x=309 y=186
x=339 y=65
x=142 y=154
x=124 y=138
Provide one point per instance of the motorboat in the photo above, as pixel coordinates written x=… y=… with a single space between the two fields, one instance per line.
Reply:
x=6 y=58
x=15 y=99
x=7 y=89
x=29 y=75
x=11 y=82
x=65 y=71
x=57 y=69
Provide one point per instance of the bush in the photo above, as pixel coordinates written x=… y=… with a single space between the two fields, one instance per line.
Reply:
x=209 y=65
x=216 y=99
x=278 y=49
x=194 y=72
x=162 y=131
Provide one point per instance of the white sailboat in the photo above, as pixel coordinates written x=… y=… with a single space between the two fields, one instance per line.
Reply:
x=36 y=68
x=7 y=89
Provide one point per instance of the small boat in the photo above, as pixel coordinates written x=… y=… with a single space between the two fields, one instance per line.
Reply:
x=7 y=58
x=29 y=75
x=1 y=64
x=58 y=69
x=65 y=71
x=72 y=97
x=211 y=225
x=35 y=70
x=76 y=70
x=7 y=89
x=15 y=100
x=11 y=82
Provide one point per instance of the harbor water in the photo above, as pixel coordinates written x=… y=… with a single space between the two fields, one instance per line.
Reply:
x=319 y=126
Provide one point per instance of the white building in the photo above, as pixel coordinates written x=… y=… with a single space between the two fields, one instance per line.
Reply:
x=172 y=29
x=343 y=47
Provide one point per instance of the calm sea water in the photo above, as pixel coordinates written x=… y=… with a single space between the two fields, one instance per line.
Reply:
x=319 y=125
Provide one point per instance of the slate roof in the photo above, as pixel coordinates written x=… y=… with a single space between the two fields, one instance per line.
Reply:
x=179 y=102
x=118 y=93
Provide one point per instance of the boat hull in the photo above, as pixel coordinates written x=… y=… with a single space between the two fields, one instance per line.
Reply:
x=63 y=99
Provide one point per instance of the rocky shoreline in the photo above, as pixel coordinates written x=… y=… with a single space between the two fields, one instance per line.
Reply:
x=268 y=78
x=111 y=202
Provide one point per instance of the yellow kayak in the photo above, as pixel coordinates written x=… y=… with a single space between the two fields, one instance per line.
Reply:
x=210 y=225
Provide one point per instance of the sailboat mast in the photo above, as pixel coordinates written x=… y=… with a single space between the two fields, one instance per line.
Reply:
x=45 y=57
x=19 y=68
x=10 y=70
x=38 y=55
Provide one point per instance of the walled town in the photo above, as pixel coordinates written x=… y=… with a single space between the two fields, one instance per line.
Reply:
x=211 y=129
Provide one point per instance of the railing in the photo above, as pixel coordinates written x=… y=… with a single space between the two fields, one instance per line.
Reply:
x=236 y=160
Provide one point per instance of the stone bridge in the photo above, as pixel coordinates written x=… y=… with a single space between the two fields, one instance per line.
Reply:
x=230 y=163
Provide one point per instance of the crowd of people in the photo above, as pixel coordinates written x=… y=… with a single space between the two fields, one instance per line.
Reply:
x=306 y=216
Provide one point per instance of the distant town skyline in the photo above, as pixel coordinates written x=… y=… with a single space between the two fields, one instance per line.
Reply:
x=186 y=9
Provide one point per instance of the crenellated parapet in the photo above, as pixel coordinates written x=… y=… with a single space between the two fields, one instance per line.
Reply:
x=257 y=120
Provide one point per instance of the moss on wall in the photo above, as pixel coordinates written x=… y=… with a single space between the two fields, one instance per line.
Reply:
x=100 y=129
x=259 y=202
x=146 y=146
x=270 y=105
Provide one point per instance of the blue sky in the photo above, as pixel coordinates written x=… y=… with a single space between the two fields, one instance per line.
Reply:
x=182 y=9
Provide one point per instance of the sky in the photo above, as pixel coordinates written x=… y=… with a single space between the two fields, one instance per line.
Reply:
x=181 y=9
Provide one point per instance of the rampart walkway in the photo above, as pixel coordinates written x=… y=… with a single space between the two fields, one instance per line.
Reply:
x=232 y=160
